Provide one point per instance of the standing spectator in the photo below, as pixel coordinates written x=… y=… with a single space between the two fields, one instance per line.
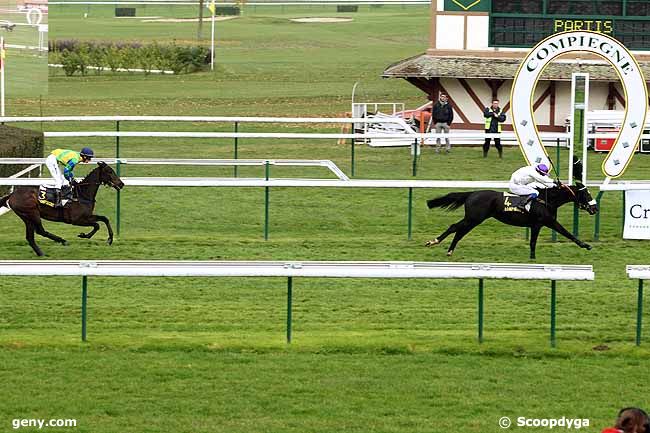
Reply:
x=493 y=120
x=441 y=117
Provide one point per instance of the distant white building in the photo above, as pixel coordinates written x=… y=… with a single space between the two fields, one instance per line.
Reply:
x=476 y=46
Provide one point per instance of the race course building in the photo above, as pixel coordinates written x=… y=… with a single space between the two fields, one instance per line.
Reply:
x=476 y=46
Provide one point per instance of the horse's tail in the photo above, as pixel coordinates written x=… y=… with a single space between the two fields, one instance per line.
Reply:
x=450 y=201
x=4 y=200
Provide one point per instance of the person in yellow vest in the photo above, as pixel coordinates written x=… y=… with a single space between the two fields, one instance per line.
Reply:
x=493 y=120
x=69 y=159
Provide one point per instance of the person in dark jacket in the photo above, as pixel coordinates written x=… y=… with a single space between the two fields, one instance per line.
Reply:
x=441 y=117
x=493 y=120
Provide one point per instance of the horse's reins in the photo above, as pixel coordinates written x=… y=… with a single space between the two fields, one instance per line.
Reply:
x=90 y=183
x=575 y=197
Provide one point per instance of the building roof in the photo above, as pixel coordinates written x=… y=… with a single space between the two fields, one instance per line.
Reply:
x=430 y=66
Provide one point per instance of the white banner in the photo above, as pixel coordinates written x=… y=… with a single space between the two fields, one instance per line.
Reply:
x=637 y=215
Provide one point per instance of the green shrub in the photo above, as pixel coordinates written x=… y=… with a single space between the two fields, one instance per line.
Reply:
x=70 y=62
x=78 y=56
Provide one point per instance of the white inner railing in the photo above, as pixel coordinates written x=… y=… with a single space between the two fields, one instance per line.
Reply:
x=290 y=269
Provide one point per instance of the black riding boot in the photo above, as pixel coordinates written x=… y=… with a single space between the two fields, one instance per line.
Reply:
x=522 y=206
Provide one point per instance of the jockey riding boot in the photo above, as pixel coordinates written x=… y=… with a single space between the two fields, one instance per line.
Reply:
x=529 y=199
x=59 y=196
x=65 y=194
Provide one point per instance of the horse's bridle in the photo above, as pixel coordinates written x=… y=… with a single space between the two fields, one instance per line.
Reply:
x=583 y=206
x=105 y=182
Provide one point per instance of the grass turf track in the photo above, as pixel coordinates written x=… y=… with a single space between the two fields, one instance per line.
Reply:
x=194 y=355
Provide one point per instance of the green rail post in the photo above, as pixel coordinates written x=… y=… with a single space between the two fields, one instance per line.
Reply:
x=553 y=282
x=289 y=302
x=118 y=203
x=117 y=139
x=639 y=313
x=597 y=223
x=267 y=169
x=557 y=157
x=557 y=172
x=410 y=214
x=414 y=150
x=117 y=158
x=576 y=220
x=236 y=145
x=84 y=303
x=480 y=310
x=352 y=152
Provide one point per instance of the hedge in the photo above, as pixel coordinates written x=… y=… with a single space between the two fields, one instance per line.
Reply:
x=18 y=143
x=77 y=56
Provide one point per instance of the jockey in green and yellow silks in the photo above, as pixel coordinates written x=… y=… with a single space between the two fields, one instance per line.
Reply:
x=69 y=159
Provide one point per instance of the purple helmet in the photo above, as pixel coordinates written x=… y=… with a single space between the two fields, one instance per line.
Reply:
x=542 y=169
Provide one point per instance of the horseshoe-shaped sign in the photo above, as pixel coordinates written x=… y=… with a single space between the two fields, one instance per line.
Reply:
x=627 y=68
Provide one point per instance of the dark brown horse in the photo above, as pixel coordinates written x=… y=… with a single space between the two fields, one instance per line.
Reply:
x=24 y=202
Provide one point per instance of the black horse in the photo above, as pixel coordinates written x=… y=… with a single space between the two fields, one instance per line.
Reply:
x=481 y=205
x=24 y=202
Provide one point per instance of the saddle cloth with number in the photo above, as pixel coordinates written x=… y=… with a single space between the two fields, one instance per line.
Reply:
x=47 y=195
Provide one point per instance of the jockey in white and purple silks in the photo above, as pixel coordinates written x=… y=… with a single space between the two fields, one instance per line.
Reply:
x=527 y=180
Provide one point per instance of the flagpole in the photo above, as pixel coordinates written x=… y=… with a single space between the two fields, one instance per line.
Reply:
x=211 y=51
x=2 y=77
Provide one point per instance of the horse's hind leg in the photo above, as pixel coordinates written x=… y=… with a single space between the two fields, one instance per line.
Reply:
x=38 y=226
x=29 y=235
x=451 y=229
x=463 y=228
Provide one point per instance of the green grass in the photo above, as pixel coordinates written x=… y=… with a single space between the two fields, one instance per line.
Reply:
x=199 y=355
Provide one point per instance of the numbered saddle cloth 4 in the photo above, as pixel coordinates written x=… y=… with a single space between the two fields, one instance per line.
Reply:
x=47 y=195
x=514 y=203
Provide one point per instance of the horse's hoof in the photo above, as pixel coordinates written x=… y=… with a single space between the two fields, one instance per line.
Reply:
x=109 y=241
x=449 y=253
x=83 y=236
x=587 y=247
x=432 y=242
x=64 y=243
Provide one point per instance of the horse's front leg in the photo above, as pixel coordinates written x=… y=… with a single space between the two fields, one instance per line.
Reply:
x=534 y=233
x=103 y=219
x=90 y=234
x=553 y=224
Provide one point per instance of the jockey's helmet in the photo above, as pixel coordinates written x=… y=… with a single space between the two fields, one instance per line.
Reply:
x=542 y=169
x=87 y=153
